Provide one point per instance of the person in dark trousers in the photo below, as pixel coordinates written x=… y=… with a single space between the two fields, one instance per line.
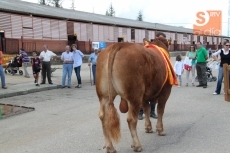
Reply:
x=46 y=56
x=201 y=57
x=153 y=105
x=36 y=67
x=77 y=62
x=224 y=54
x=93 y=59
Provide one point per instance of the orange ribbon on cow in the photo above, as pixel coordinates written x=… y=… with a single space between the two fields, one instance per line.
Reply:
x=170 y=76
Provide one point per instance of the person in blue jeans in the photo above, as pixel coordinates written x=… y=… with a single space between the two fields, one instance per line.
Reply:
x=224 y=54
x=67 y=58
x=77 y=62
x=93 y=59
x=2 y=73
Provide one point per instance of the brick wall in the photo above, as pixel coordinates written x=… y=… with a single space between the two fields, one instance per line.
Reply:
x=57 y=46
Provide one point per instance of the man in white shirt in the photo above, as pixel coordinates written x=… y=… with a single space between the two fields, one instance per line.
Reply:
x=77 y=58
x=67 y=58
x=45 y=57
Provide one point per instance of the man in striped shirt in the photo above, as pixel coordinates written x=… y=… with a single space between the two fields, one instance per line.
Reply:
x=25 y=61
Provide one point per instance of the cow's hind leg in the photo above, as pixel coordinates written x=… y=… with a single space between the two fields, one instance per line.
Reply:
x=148 y=125
x=132 y=123
x=109 y=117
x=164 y=95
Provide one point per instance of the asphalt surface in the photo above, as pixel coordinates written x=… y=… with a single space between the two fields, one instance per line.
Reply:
x=66 y=120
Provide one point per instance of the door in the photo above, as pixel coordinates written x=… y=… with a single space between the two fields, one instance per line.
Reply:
x=1 y=41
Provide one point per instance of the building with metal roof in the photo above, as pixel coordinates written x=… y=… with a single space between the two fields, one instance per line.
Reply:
x=34 y=9
x=30 y=25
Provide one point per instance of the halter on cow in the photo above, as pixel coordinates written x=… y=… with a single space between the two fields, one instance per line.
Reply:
x=138 y=75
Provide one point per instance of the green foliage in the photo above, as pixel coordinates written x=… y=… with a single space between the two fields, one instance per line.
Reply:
x=43 y=2
x=73 y=5
x=110 y=11
x=140 y=16
x=55 y=3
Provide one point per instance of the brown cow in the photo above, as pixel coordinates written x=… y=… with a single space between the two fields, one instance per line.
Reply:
x=137 y=75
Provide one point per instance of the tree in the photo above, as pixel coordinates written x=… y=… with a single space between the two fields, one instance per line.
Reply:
x=72 y=5
x=110 y=11
x=107 y=13
x=140 y=16
x=43 y=2
x=56 y=3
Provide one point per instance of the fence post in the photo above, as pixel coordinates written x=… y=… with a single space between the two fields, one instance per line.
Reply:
x=226 y=82
x=90 y=48
x=22 y=41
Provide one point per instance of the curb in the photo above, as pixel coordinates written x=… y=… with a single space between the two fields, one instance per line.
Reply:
x=25 y=92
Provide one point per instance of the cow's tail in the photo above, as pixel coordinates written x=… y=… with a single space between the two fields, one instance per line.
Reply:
x=113 y=121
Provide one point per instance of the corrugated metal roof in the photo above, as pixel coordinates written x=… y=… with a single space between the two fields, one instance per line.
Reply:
x=42 y=10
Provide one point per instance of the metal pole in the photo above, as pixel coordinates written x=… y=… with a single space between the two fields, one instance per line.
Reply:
x=90 y=75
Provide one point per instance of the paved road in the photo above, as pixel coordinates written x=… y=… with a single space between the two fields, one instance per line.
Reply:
x=66 y=121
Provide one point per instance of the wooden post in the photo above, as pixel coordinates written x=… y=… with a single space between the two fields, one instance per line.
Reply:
x=76 y=42
x=90 y=48
x=22 y=41
x=226 y=82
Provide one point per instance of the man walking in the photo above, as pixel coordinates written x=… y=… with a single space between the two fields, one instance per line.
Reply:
x=46 y=56
x=93 y=59
x=152 y=105
x=201 y=57
x=67 y=58
x=2 y=74
x=77 y=58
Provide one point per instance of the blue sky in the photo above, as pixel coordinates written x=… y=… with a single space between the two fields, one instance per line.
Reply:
x=172 y=12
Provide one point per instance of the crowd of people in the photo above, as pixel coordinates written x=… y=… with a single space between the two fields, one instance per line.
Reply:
x=196 y=60
x=198 y=56
x=71 y=58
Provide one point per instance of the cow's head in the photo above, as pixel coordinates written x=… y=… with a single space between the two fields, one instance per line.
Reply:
x=161 y=42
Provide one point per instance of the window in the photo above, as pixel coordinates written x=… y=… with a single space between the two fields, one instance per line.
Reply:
x=132 y=33
x=146 y=34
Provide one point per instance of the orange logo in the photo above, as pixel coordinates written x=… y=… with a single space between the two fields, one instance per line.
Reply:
x=208 y=23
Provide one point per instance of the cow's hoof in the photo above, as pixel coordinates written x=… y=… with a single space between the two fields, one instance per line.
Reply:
x=161 y=132
x=148 y=130
x=137 y=148
x=110 y=150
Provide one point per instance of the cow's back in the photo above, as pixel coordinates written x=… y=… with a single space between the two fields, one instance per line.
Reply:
x=133 y=69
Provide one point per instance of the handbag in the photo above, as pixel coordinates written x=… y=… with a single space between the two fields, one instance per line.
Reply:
x=187 y=63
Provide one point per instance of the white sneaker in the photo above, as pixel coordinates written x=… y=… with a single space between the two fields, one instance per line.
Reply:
x=214 y=93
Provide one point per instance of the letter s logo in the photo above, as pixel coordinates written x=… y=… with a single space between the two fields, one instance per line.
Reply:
x=202 y=18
